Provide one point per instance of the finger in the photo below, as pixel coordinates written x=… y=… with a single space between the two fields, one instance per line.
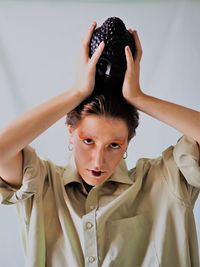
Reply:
x=88 y=35
x=131 y=31
x=129 y=59
x=87 y=38
x=95 y=57
x=138 y=45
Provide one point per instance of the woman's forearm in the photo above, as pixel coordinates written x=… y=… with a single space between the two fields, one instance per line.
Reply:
x=185 y=120
x=33 y=123
x=29 y=126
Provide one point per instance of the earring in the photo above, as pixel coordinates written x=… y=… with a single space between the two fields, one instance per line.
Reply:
x=125 y=155
x=70 y=147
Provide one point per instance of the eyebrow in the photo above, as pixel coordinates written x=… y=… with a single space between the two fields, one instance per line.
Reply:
x=84 y=135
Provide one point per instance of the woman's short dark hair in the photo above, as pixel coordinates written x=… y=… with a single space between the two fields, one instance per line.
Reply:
x=106 y=105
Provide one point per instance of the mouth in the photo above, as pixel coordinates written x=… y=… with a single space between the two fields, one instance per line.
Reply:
x=96 y=173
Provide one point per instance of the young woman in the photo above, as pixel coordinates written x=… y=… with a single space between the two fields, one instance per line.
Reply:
x=95 y=212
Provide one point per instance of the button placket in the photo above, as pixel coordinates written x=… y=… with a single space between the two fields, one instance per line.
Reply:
x=91 y=201
x=88 y=225
x=90 y=239
x=91 y=259
x=92 y=207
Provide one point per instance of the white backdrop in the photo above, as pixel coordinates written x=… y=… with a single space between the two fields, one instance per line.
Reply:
x=39 y=42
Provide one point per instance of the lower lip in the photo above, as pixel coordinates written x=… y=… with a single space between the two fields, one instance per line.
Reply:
x=95 y=173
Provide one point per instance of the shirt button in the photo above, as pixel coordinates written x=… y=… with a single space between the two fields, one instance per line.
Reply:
x=89 y=225
x=91 y=259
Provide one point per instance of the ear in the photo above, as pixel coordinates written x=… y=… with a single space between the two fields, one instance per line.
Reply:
x=70 y=129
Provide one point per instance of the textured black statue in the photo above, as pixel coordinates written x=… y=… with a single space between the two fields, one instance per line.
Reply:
x=112 y=63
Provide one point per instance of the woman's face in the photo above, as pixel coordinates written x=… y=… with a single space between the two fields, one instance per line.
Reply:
x=99 y=144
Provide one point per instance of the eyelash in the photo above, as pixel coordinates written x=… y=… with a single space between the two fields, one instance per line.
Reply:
x=115 y=144
x=91 y=142
x=86 y=140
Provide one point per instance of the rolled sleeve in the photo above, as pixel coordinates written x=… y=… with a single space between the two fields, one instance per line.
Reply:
x=181 y=170
x=186 y=156
x=34 y=173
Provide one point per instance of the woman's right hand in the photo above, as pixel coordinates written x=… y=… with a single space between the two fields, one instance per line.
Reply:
x=86 y=67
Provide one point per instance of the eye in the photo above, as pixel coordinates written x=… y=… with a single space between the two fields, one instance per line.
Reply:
x=88 y=141
x=114 y=146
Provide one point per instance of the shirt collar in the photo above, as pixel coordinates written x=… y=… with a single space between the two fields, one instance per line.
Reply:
x=120 y=175
x=70 y=173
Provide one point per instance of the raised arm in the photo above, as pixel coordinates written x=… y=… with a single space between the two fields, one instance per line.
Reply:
x=29 y=126
x=183 y=119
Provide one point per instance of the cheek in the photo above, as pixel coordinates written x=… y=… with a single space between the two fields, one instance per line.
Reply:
x=80 y=152
x=113 y=159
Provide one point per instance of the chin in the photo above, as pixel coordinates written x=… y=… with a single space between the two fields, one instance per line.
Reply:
x=94 y=181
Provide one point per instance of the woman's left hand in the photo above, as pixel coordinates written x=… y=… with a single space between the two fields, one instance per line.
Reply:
x=131 y=85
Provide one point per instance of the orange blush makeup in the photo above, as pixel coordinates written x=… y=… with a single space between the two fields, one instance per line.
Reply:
x=120 y=142
x=82 y=136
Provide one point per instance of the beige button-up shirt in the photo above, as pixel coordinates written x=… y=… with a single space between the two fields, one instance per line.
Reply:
x=138 y=218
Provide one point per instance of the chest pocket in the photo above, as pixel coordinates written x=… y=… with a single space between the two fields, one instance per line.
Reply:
x=131 y=242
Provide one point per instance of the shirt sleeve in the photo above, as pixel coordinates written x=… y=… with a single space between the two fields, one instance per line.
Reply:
x=34 y=173
x=182 y=169
x=186 y=156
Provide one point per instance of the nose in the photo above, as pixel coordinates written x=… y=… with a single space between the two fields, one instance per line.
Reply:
x=99 y=158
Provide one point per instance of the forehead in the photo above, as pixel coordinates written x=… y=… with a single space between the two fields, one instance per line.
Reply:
x=95 y=125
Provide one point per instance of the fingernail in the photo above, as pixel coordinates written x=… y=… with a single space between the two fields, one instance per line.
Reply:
x=93 y=24
x=102 y=44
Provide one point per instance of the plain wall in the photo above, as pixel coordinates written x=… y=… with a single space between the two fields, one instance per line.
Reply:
x=39 y=42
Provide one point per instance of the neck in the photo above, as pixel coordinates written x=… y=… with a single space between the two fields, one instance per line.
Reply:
x=87 y=186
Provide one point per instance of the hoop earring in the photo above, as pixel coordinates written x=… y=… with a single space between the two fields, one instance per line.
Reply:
x=70 y=147
x=125 y=155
